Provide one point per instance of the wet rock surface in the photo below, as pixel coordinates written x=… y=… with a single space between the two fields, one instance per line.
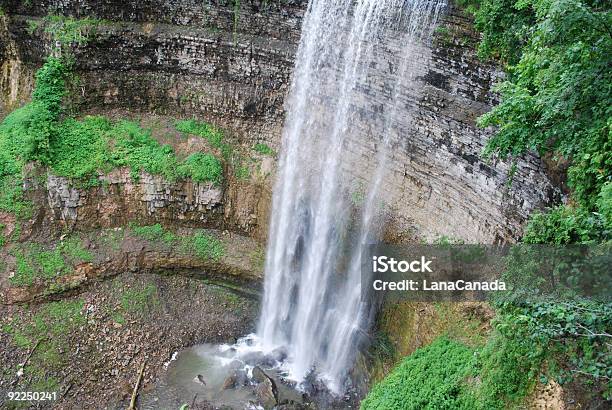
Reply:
x=232 y=383
x=266 y=393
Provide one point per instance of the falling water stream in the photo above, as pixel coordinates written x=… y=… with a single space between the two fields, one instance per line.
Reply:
x=312 y=304
x=355 y=59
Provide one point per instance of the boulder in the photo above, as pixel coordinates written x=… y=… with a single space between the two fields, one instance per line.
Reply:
x=266 y=394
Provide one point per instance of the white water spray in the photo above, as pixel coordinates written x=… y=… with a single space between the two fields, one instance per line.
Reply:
x=312 y=304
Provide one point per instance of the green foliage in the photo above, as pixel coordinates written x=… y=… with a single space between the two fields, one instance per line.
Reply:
x=604 y=205
x=559 y=90
x=202 y=168
x=202 y=129
x=215 y=138
x=50 y=86
x=433 y=377
x=470 y=6
x=140 y=301
x=566 y=225
x=68 y=30
x=204 y=246
x=154 y=233
x=81 y=149
x=11 y=197
x=33 y=263
x=51 y=329
x=26 y=135
x=74 y=252
x=506 y=26
x=242 y=171
x=558 y=99
x=136 y=148
x=575 y=329
x=548 y=313
x=264 y=149
x=95 y=144
x=508 y=368
x=200 y=244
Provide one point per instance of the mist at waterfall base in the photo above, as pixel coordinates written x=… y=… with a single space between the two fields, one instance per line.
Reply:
x=354 y=58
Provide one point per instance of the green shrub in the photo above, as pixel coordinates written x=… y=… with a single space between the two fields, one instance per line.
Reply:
x=433 y=377
x=565 y=225
x=264 y=149
x=202 y=168
x=557 y=95
x=68 y=30
x=94 y=144
x=508 y=368
x=205 y=246
x=604 y=205
x=215 y=137
x=33 y=263
x=26 y=135
x=136 y=148
x=202 y=129
x=555 y=99
x=154 y=233
x=81 y=148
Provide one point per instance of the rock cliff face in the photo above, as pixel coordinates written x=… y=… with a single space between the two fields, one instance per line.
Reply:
x=227 y=61
x=230 y=62
x=120 y=199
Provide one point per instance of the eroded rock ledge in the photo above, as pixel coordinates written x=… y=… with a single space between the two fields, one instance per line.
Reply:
x=118 y=250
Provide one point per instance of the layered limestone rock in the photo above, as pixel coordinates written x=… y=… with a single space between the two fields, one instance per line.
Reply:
x=227 y=61
x=230 y=63
x=119 y=198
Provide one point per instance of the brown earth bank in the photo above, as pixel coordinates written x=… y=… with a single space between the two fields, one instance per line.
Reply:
x=89 y=347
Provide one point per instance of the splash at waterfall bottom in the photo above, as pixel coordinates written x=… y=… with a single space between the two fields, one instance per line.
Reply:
x=240 y=376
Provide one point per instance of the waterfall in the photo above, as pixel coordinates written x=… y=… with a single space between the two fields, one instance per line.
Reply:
x=354 y=58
